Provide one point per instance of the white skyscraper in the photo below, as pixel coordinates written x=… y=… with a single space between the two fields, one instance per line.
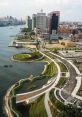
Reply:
x=41 y=21
x=33 y=21
x=28 y=22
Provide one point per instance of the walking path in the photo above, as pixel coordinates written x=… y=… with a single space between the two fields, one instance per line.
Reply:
x=78 y=78
x=76 y=69
x=55 y=83
x=46 y=89
x=74 y=93
x=52 y=84
x=47 y=107
x=7 y=107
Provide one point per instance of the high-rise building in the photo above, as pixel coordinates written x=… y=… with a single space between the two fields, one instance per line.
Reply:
x=28 y=22
x=33 y=21
x=53 y=21
x=48 y=21
x=41 y=21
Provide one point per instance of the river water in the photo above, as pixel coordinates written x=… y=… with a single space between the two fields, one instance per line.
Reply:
x=9 y=76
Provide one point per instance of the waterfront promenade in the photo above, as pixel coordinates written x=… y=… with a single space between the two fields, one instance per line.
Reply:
x=71 y=87
x=26 y=96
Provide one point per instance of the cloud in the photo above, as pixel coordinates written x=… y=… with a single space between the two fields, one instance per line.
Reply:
x=70 y=9
x=2 y=3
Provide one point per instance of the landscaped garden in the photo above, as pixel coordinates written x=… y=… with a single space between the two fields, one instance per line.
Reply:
x=35 y=109
x=78 y=64
x=62 y=110
x=61 y=82
x=33 y=83
x=62 y=67
x=27 y=56
x=30 y=84
x=51 y=70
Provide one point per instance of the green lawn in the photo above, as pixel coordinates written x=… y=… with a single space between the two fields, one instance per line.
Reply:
x=51 y=70
x=61 y=82
x=62 y=67
x=13 y=108
x=37 y=109
x=22 y=56
x=27 y=56
x=53 y=107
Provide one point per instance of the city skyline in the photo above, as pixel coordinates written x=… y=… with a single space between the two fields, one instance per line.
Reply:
x=70 y=9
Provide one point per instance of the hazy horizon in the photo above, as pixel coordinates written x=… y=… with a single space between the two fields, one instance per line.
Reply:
x=70 y=10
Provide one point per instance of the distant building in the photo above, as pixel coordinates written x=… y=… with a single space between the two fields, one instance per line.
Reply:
x=75 y=31
x=54 y=35
x=33 y=21
x=29 y=22
x=41 y=21
x=10 y=21
x=48 y=23
x=53 y=21
x=46 y=36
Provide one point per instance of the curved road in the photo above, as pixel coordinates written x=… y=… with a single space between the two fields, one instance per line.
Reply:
x=71 y=88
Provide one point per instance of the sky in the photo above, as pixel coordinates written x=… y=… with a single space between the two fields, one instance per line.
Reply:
x=70 y=10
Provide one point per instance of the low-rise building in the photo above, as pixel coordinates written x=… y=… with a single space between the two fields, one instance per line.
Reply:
x=67 y=43
x=54 y=35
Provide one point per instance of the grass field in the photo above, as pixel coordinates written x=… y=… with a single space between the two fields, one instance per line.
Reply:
x=61 y=82
x=37 y=109
x=27 y=56
x=21 y=56
x=62 y=67
x=51 y=70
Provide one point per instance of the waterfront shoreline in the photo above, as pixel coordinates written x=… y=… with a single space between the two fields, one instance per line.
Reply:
x=10 y=75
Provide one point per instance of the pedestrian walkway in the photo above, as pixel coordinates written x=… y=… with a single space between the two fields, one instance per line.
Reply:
x=46 y=102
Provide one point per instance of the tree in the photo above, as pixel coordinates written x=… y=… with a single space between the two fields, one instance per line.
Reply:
x=25 y=30
x=32 y=33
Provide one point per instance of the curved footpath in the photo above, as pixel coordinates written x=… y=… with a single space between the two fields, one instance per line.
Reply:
x=25 y=97
x=46 y=102
x=76 y=75
x=6 y=107
x=30 y=95
x=55 y=83
x=34 y=94
x=78 y=85
x=70 y=89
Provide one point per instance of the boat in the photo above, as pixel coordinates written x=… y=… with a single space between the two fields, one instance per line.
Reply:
x=5 y=65
x=8 y=66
